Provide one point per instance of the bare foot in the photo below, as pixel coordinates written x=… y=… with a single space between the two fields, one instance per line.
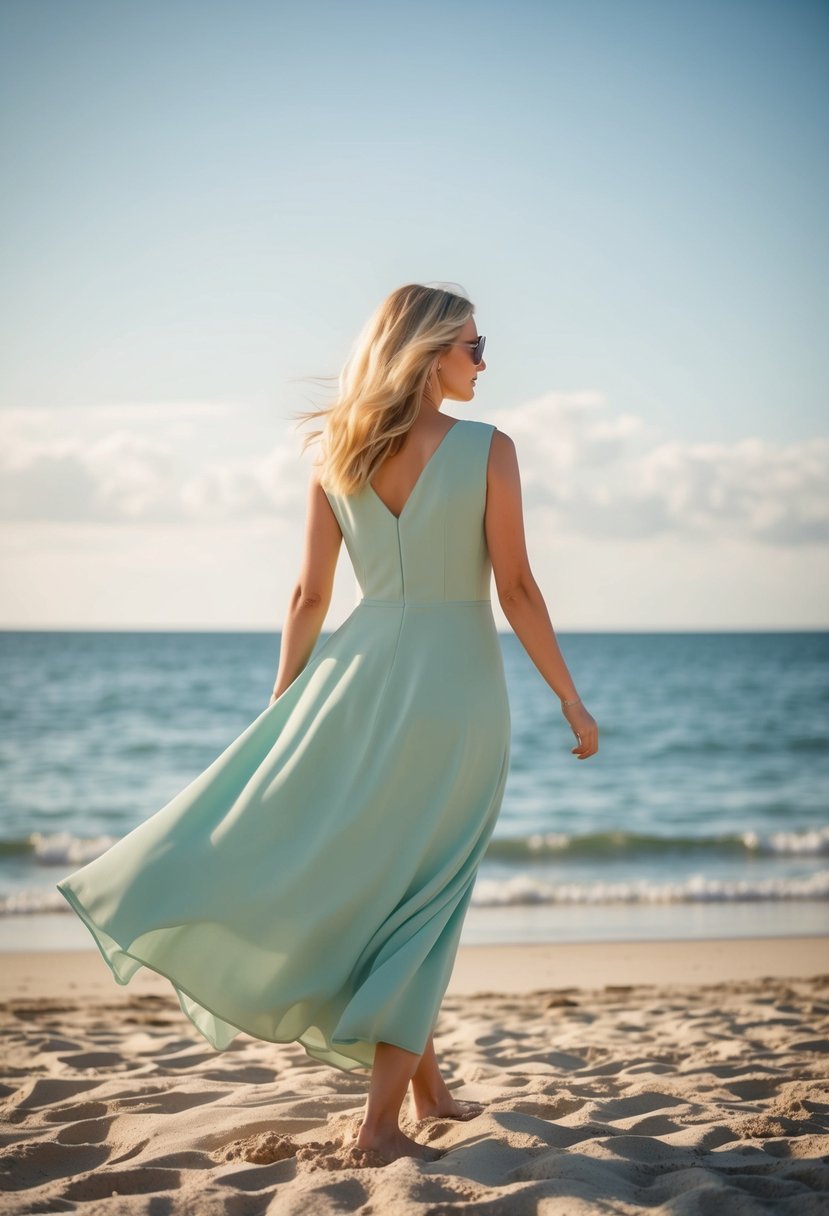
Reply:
x=447 y=1108
x=391 y=1145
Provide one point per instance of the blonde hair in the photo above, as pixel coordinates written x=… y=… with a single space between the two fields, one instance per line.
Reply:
x=383 y=381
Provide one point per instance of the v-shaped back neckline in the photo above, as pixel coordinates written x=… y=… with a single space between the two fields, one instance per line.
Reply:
x=421 y=475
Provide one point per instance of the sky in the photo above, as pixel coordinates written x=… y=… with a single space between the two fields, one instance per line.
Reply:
x=203 y=204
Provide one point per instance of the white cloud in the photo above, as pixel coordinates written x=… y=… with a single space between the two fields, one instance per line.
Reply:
x=122 y=475
x=239 y=489
x=584 y=470
x=618 y=478
x=77 y=465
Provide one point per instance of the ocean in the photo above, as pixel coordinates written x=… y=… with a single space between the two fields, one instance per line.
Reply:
x=704 y=814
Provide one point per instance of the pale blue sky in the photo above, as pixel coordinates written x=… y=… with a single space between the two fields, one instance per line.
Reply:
x=205 y=201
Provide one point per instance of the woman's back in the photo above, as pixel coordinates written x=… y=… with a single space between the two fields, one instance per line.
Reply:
x=435 y=550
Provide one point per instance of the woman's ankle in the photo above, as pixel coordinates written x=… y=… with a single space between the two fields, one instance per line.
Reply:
x=378 y=1128
x=434 y=1090
x=379 y=1137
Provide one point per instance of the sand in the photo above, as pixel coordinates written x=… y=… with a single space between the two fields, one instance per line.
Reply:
x=682 y=1077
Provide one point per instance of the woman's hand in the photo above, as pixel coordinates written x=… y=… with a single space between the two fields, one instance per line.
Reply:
x=584 y=728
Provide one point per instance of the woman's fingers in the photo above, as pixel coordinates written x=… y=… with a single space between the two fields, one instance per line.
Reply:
x=588 y=738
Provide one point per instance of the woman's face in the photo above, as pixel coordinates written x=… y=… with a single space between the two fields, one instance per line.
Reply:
x=458 y=371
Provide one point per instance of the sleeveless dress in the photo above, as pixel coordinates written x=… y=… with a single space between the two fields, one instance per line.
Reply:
x=311 y=884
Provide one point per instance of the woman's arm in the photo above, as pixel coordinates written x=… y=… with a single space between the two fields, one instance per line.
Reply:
x=519 y=594
x=311 y=596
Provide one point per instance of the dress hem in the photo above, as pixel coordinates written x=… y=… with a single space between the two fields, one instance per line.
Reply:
x=359 y=1065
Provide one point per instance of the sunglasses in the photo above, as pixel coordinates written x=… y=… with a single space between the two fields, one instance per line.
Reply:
x=477 y=351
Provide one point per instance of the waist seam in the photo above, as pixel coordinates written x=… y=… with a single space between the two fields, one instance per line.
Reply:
x=370 y=602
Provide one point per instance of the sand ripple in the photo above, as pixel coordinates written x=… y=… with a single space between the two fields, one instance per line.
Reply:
x=709 y=1100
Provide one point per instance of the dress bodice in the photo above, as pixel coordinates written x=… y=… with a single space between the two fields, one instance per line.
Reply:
x=435 y=551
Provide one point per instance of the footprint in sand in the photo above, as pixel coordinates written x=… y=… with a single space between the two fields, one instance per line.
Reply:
x=27 y=1165
x=103 y=1184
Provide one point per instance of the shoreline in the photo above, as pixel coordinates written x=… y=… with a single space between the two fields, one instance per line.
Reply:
x=506 y=968
x=520 y=925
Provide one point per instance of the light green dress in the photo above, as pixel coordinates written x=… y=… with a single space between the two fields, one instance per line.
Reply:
x=311 y=884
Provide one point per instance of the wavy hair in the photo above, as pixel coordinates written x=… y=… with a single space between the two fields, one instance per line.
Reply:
x=383 y=382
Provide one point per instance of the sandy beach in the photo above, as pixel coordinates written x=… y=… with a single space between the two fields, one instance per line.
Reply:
x=683 y=1077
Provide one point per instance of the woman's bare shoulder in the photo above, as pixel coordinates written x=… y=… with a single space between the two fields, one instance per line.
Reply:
x=501 y=441
x=502 y=454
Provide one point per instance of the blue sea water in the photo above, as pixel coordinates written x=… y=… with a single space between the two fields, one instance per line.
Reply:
x=704 y=814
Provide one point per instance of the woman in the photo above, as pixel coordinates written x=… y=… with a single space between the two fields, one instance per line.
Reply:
x=312 y=883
